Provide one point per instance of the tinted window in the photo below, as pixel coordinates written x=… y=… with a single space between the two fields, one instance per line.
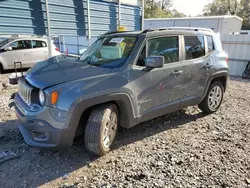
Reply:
x=210 y=43
x=20 y=45
x=167 y=47
x=194 y=47
x=38 y=44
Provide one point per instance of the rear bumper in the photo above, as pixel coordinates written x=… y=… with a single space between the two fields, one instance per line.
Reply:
x=38 y=131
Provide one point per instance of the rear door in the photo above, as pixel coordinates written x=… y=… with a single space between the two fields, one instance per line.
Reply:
x=21 y=52
x=39 y=51
x=197 y=68
x=159 y=88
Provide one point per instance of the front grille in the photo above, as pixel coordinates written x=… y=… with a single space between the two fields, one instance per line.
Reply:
x=24 y=91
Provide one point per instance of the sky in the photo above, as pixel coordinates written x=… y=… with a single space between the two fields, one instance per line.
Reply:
x=190 y=7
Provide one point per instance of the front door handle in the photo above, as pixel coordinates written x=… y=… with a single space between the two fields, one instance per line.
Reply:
x=177 y=73
x=27 y=54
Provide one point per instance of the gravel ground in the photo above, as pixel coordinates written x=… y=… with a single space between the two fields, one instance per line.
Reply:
x=182 y=149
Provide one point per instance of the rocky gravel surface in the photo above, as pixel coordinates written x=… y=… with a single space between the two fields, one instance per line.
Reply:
x=182 y=149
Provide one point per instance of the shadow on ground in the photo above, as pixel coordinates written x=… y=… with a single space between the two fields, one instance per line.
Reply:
x=36 y=167
x=13 y=71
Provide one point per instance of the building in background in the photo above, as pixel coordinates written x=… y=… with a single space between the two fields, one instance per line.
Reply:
x=71 y=21
x=221 y=24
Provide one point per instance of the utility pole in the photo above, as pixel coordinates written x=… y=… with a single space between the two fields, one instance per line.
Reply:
x=89 y=24
x=142 y=14
x=119 y=14
x=48 y=29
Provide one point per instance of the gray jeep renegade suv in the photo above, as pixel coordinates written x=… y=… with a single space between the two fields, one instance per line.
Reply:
x=123 y=79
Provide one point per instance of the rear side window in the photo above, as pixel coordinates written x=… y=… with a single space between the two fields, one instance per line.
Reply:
x=38 y=44
x=168 y=47
x=210 y=43
x=194 y=47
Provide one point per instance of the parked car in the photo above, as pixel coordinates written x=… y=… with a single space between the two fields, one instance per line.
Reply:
x=123 y=79
x=27 y=50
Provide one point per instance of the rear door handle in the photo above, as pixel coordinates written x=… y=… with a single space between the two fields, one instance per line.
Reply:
x=207 y=66
x=27 y=54
x=176 y=73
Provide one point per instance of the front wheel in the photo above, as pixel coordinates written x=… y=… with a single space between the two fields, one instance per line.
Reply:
x=101 y=129
x=213 y=99
x=1 y=68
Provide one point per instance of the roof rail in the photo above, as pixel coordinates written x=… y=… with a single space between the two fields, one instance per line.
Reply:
x=113 y=32
x=190 y=28
x=178 y=28
x=27 y=35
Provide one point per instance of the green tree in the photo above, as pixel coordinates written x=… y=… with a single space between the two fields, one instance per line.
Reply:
x=176 y=14
x=160 y=9
x=230 y=7
x=244 y=13
x=221 y=7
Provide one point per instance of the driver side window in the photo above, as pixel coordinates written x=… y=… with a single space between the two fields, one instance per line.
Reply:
x=168 y=47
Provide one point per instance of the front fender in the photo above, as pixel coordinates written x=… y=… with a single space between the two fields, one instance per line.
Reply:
x=123 y=100
x=125 y=106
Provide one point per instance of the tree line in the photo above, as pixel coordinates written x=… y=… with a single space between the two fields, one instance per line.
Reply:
x=160 y=9
x=240 y=8
x=164 y=9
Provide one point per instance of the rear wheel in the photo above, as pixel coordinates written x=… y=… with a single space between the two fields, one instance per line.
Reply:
x=101 y=129
x=213 y=99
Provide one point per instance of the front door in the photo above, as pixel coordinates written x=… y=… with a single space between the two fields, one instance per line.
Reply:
x=160 y=87
x=21 y=51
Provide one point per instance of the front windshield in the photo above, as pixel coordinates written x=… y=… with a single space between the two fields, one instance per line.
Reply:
x=4 y=42
x=109 y=52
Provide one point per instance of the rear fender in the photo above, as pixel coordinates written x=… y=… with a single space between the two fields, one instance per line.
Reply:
x=213 y=77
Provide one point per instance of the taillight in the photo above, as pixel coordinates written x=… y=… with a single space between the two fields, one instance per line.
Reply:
x=227 y=60
x=57 y=49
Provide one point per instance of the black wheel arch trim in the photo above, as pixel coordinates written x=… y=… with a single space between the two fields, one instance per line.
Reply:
x=214 y=76
x=122 y=100
x=1 y=66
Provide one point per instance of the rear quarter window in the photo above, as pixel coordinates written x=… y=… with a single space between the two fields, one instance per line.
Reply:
x=210 y=43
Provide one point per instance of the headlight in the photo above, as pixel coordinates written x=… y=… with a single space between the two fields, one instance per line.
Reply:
x=41 y=97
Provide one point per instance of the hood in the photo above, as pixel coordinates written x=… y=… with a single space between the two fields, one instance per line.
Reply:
x=59 y=69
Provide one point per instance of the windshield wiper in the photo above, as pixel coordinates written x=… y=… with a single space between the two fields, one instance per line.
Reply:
x=88 y=61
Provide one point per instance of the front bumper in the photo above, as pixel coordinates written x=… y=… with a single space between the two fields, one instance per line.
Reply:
x=39 y=130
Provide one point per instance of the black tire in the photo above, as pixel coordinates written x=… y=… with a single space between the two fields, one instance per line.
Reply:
x=98 y=120
x=1 y=68
x=204 y=105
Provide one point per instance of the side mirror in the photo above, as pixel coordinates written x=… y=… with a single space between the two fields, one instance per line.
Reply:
x=154 y=62
x=8 y=48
